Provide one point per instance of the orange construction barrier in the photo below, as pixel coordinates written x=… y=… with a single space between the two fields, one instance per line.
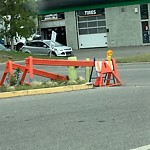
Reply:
x=59 y=62
x=9 y=70
x=29 y=68
x=30 y=61
x=106 y=70
x=107 y=73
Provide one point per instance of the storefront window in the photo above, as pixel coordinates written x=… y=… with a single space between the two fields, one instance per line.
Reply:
x=144 y=11
x=83 y=25
x=83 y=31
x=92 y=30
x=92 y=24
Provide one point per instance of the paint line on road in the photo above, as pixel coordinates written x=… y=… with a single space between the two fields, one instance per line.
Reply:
x=147 y=147
x=133 y=69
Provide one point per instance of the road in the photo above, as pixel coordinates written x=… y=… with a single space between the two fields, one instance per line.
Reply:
x=108 y=118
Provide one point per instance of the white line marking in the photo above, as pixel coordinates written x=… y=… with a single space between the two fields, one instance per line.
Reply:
x=147 y=147
x=133 y=69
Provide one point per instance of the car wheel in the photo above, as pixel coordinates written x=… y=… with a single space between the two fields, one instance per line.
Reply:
x=52 y=54
x=18 y=46
x=27 y=52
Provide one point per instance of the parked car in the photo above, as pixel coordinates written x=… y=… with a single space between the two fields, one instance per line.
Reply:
x=20 y=41
x=2 y=47
x=47 y=47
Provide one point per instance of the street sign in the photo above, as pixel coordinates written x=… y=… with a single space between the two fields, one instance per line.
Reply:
x=53 y=37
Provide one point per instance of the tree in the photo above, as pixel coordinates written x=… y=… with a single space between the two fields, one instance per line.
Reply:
x=18 y=18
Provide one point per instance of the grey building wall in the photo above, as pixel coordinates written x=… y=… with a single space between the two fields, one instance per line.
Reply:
x=50 y=23
x=124 y=26
x=71 y=29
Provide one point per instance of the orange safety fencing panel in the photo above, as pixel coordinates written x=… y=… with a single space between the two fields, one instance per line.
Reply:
x=107 y=73
x=29 y=68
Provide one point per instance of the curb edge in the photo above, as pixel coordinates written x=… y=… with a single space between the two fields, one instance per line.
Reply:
x=46 y=90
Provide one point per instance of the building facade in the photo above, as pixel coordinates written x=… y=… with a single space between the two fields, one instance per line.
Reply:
x=100 y=27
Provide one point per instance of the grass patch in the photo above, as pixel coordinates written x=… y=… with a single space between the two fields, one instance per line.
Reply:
x=12 y=55
x=133 y=59
x=17 y=56
x=39 y=85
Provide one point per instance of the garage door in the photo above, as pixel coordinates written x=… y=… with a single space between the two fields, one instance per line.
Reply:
x=92 y=29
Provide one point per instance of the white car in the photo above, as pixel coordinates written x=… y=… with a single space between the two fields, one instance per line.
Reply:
x=20 y=41
x=47 y=47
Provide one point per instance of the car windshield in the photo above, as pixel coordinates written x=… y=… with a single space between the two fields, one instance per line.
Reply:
x=2 y=47
x=56 y=43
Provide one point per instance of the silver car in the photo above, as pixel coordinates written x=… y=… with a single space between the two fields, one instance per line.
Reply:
x=47 y=47
x=2 y=47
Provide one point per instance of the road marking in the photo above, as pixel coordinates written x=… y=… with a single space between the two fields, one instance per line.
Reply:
x=133 y=69
x=147 y=147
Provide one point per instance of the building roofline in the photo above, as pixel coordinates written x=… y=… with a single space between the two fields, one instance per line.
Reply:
x=77 y=8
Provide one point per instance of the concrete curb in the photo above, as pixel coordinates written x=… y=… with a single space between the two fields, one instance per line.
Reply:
x=46 y=90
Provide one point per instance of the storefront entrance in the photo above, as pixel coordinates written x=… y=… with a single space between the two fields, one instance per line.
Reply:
x=145 y=23
x=145 y=32
x=61 y=34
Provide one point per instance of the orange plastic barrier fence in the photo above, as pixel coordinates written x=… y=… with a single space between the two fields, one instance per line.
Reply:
x=107 y=74
x=60 y=62
x=29 y=68
x=9 y=69
x=30 y=62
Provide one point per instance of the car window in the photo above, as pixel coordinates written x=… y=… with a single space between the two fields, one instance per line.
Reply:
x=34 y=44
x=58 y=44
x=29 y=43
x=41 y=44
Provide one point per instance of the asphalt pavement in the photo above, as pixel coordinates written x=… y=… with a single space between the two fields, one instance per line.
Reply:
x=113 y=118
x=108 y=118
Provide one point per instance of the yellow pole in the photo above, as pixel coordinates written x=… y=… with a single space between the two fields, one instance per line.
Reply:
x=72 y=73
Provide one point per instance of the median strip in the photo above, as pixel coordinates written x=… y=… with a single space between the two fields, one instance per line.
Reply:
x=46 y=90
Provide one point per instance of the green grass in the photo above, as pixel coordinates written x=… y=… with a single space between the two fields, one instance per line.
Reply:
x=134 y=59
x=12 y=55
x=16 y=56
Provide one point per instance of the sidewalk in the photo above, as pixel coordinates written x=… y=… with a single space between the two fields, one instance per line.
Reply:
x=100 y=53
